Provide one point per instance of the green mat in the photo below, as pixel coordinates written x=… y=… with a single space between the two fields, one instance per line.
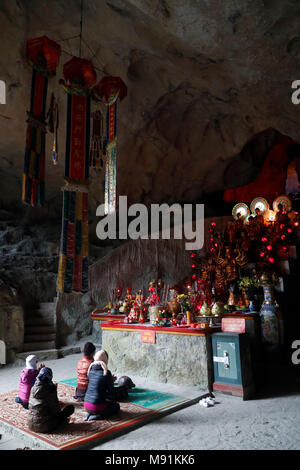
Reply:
x=144 y=397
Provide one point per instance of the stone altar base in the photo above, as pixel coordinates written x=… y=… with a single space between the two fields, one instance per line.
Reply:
x=182 y=358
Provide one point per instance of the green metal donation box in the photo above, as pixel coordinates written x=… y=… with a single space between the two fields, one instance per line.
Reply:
x=232 y=364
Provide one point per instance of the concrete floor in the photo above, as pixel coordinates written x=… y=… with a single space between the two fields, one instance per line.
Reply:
x=271 y=421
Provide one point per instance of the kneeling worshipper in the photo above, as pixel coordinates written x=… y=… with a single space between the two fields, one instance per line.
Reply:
x=45 y=413
x=82 y=369
x=99 y=398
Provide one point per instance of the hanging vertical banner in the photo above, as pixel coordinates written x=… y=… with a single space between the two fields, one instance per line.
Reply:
x=109 y=90
x=110 y=195
x=98 y=141
x=42 y=54
x=78 y=137
x=73 y=262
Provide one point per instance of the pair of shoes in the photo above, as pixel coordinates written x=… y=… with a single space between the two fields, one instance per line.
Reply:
x=87 y=416
x=206 y=402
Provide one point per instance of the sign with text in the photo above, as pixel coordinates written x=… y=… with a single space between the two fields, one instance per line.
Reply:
x=148 y=336
x=234 y=325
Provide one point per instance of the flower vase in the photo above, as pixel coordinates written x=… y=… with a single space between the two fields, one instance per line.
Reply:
x=251 y=306
x=269 y=320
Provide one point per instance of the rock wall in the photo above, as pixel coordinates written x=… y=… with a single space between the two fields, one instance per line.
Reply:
x=203 y=78
x=134 y=264
x=11 y=322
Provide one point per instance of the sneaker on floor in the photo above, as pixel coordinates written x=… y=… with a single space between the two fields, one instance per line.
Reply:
x=210 y=401
x=203 y=403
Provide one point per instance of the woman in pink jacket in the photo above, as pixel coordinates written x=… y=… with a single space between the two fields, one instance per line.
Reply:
x=27 y=379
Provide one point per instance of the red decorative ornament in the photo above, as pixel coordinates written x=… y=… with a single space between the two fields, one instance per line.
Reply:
x=269 y=248
x=271 y=260
x=79 y=72
x=289 y=230
x=109 y=86
x=43 y=53
x=262 y=254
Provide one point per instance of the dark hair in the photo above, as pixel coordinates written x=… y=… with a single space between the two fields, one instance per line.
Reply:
x=89 y=349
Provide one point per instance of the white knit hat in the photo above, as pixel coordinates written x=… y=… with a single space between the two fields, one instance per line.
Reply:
x=31 y=362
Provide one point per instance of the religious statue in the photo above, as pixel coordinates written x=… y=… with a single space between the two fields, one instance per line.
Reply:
x=220 y=284
x=152 y=298
x=230 y=263
x=128 y=301
x=140 y=301
x=259 y=218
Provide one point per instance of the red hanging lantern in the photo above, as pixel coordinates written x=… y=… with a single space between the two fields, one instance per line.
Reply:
x=79 y=72
x=110 y=88
x=43 y=53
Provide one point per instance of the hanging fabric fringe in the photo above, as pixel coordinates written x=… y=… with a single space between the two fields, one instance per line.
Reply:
x=98 y=142
x=53 y=123
x=109 y=90
x=42 y=55
x=73 y=261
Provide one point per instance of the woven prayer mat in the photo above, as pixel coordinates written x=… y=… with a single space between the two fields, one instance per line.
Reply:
x=142 y=407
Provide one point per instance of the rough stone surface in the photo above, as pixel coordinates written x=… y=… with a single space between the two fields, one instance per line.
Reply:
x=177 y=359
x=203 y=78
x=11 y=322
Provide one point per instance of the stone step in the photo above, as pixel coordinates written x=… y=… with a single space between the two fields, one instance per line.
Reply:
x=39 y=329
x=38 y=346
x=37 y=321
x=33 y=338
x=47 y=354
x=47 y=307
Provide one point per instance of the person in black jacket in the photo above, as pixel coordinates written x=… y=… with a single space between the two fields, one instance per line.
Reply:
x=45 y=413
x=98 y=400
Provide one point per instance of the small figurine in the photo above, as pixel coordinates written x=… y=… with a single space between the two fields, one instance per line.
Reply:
x=133 y=316
x=153 y=298
x=140 y=301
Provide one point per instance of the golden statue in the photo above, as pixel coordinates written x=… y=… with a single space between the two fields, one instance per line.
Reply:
x=231 y=262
